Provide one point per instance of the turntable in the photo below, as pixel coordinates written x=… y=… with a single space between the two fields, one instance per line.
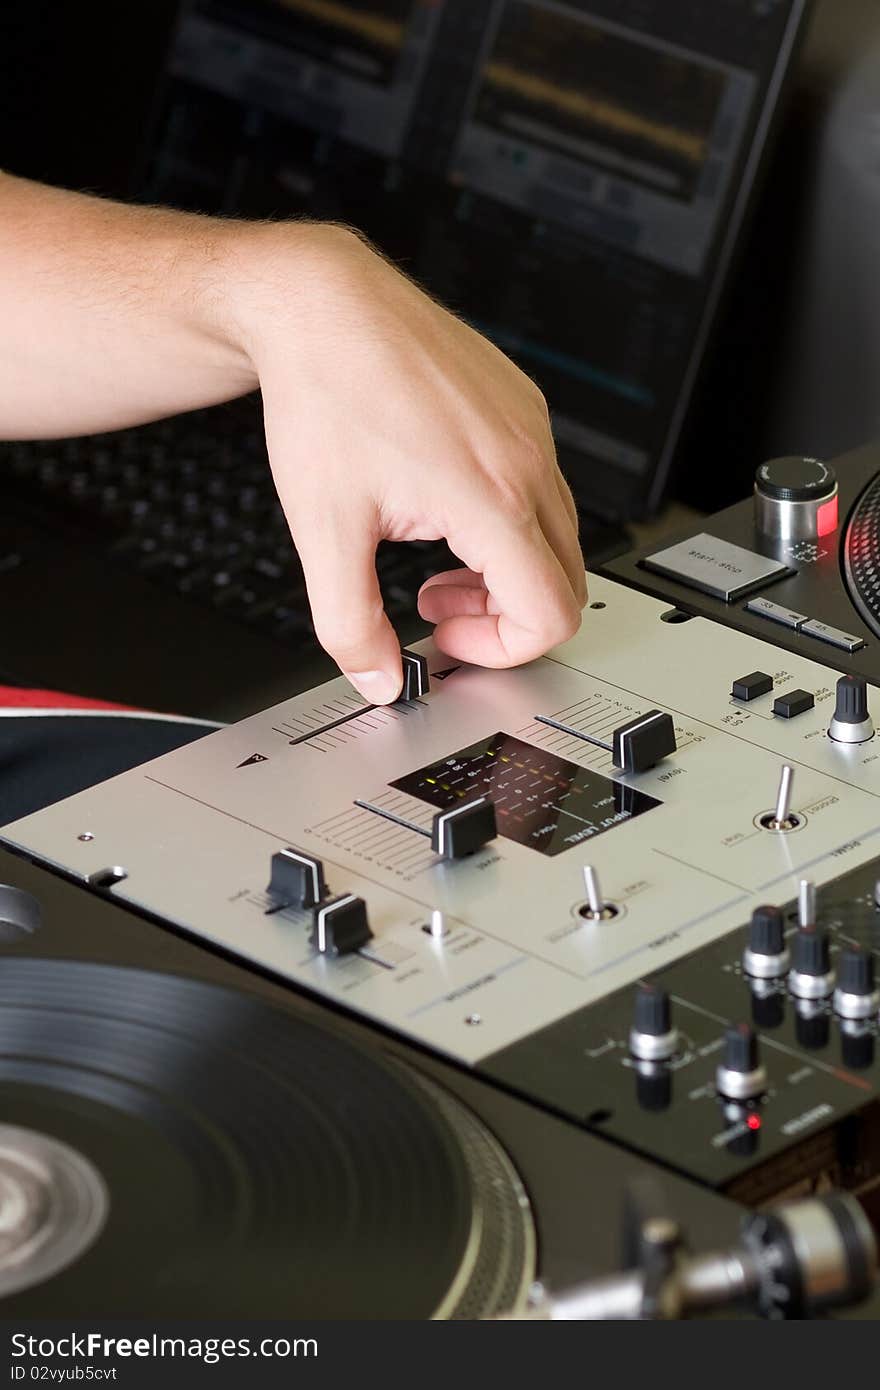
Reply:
x=379 y=1013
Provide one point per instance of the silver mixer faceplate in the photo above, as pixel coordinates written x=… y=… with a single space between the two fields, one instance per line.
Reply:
x=679 y=850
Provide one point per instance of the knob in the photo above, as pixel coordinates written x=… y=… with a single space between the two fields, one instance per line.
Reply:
x=768 y=1006
x=463 y=829
x=812 y=1026
x=796 y=499
x=741 y=1075
x=856 y=995
x=653 y=1086
x=297 y=879
x=766 y=955
x=340 y=926
x=851 y=723
x=856 y=1045
x=416 y=681
x=811 y=976
x=652 y=1037
x=643 y=742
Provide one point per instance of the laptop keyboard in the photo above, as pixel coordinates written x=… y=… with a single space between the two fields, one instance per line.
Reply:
x=189 y=502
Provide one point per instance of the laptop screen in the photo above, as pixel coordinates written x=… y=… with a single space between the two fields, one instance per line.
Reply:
x=570 y=177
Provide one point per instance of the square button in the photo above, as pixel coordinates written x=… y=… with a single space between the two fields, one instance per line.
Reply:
x=793 y=702
x=716 y=566
x=750 y=687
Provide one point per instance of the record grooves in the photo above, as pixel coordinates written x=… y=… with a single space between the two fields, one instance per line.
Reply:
x=256 y=1164
x=861 y=554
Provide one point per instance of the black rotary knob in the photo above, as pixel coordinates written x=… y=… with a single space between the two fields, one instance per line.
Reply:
x=796 y=498
x=741 y=1048
x=856 y=993
x=812 y=952
x=652 y=1037
x=811 y=976
x=766 y=955
x=653 y=1012
x=855 y=971
x=851 y=723
x=852 y=699
x=740 y=1075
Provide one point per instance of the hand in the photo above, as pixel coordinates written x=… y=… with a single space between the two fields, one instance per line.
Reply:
x=387 y=417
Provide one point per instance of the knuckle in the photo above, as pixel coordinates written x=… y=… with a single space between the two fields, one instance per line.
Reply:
x=513 y=495
x=564 y=623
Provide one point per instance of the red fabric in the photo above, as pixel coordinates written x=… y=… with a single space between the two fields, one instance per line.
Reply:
x=13 y=696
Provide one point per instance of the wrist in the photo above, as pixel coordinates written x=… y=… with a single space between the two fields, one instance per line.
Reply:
x=279 y=280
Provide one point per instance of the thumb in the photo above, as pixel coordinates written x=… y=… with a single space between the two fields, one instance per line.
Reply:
x=338 y=555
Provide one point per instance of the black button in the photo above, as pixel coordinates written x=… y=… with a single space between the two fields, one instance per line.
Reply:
x=793 y=702
x=750 y=687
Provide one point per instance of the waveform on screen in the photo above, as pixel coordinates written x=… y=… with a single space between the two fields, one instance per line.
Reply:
x=597 y=111
x=383 y=29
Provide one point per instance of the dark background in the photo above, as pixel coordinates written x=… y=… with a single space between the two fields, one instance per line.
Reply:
x=77 y=87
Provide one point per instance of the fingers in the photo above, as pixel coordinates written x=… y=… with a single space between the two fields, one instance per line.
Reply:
x=567 y=498
x=525 y=606
x=338 y=555
x=561 y=533
x=453 y=594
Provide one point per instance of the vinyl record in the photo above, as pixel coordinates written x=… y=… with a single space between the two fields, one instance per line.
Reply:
x=170 y=1147
x=861 y=555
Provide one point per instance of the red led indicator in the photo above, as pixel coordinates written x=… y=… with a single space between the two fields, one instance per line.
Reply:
x=754 y=1122
x=826 y=517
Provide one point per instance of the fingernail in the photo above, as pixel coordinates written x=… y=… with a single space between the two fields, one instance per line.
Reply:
x=377 y=687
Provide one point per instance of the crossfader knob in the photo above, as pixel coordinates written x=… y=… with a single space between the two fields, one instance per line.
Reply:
x=851 y=723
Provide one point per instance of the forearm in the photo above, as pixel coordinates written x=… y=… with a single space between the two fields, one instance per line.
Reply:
x=386 y=416
x=114 y=315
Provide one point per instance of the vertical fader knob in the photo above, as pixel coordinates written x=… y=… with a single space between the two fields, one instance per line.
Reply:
x=856 y=995
x=766 y=955
x=652 y=1037
x=741 y=1075
x=851 y=723
x=811 y=976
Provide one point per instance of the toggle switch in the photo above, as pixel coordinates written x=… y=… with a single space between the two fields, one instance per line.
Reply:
x=781 y=817
x=595 y=909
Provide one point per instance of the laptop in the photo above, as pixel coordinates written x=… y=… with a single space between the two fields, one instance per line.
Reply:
x=572 y=178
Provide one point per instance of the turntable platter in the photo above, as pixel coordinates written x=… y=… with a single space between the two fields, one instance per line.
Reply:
x=253 y=1164
x=861 y=551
